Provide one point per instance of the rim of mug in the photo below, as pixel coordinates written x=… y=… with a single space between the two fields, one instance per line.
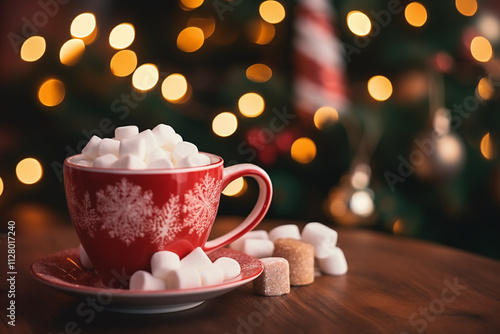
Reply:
x=217 y=160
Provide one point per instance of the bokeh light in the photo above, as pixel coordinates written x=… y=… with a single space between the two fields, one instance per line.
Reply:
x=51 y=92
x=466 y=7
x=190 y=39
x=361 y=203
x=174 y=87
x=235 y=187
x=1 y=186
x=485 y=89
x=71 y=51
x=205 y=23
x=33 y=48
x=488 y=26
x=416 y=14
x=360 y=178
x=259 y=73
x=251 y=105
x=272 y=11
x=487 y=147
x=190 y=4
x=449 y=150
x=481 y=49
x=379 y=88
x=325 y=116
x=260 y=32
x=145 y=77
x=224 y=124
x=122 y=36
x=123 y=63
x=303 y=150
x=359 y=23
x=398 y=227
x=29 y=171
x=84 y=27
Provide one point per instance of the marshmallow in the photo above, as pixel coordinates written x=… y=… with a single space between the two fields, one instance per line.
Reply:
x=163 y=134
x=334 y=263
x=300 y=257
x=182 y=150
x=258 y=248
x=162 y=262
x=183 y=278
x=172 y=141
x=91 y=149
x=211 y=275
x=230 y=267
x=285 y=231
x=197 y=259
x=157 y=153
x=84 y=258
x=81 y=160
x=142 y=280
x=109 y=146
x=161 y=163
x=105 y=161
x=193 y=160
x=129 y=161
x=274 y=279
x=84 y=162
x=149 y=140
x=323 y=238
x=123 y=132
x=255 y=234
x=134 y=145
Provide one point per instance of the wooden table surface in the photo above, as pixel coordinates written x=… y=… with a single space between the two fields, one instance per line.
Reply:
x=394 y=285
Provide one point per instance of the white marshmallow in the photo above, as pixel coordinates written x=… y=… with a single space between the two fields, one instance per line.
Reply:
x=197 y=259
x=84 y=162
x=149 y=140
x=91 y=149
x=161 y=163
x=134 y=145
x=285 y=231
x=123 y=132
x=163 y=134
x=183 y=278
x=255 y=234
x=323 y=238
x=84 y=258
x=211 y=275
x=193 y=160
x=183 y=149
x=142 y=280
x=157 y=153
x=109 y=146
x=230 y=267
x=172 y=141
x=81 y=160
x=105 y=161
x=258 y=248
x=334 y=263
x=163 y=262
x=129 y=161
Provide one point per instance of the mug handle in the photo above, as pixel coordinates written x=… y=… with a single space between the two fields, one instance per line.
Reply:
x=258 y=212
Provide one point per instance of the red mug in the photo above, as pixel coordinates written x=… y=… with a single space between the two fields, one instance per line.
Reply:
x=122 y=217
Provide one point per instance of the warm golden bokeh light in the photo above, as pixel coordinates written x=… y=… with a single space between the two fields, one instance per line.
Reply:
x=225 y=124
x=260 y=32
x=190 y=4
x=205 y=23
x=1 y=186
x=397 y=227
x=303 y=150
x=485 y=89
x=71 y=51
x=487 y=147
x=251 y=105
x=33 y=48
x=145 y=77
x=190 y=39
x=272 y=11
x=123 y=63
x=51 y=92
x=361 y=203
x=466 y=7
x=416 y=14
x=259 y=73
x=359 y=23
x=174 y=87
x=122 y=36
x=481 y=49
x=235 y=187
x=84 y=27
x=379 y=88
x=29 y=171
x=325 y=116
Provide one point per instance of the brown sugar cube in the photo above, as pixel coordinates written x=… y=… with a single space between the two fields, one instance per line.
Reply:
x=300 y=257
x=274 y=279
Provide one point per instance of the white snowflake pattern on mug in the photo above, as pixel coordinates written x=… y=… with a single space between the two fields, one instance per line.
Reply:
x=165 y=221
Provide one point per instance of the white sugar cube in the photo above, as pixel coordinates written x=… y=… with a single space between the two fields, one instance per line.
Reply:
x=105 y=161
x=197 y=259
x=323 y=238
x=183 y=149
x=334 y=263
x=258 y=248
x=230 y=267
x=171 y=142
x=162 y=262
x=163 y=134
x=254 y=234
x=290 y=231
x=193 y=160
x=144 y=281
x=91 y=149
x=129 y=161
x=162 y=163
x=183 y=278
x=134 y=145
x=84 y=258
x=211 y=275
x=123 y=132
x=149 y=140
x=109 y=146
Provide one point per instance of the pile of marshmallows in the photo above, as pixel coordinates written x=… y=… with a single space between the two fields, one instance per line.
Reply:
x=160 y=147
